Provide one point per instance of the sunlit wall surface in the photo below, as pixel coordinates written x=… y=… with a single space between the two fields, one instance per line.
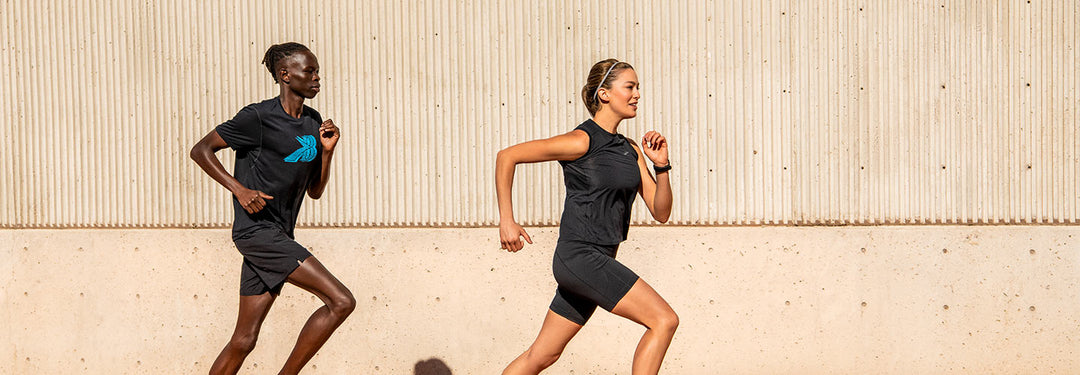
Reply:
x=777 y=112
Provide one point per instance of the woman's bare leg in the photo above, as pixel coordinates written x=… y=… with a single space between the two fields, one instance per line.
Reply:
x=644 y=306
x=555 y=333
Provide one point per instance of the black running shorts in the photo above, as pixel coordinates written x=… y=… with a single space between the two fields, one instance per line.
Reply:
x=588 y=276
x=269 y=257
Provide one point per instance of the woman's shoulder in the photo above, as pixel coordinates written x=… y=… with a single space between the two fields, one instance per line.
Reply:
x=588 y=126
x=578 y=135
x=583 y=132
x=579 y=138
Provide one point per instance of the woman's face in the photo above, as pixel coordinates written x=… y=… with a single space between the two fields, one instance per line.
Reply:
x=302 y=74
x=622 y=97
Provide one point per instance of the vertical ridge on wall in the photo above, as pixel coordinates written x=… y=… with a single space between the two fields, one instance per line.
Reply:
x=778 y=112
x=1072 y=134
x=7 y=126
x=8 y=205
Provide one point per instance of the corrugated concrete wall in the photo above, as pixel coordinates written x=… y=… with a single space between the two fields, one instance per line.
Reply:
x=768 y=300
x=778 y=112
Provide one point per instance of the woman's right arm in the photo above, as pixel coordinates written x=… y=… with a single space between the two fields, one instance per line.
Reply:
x=203 y=154
x=569 y=146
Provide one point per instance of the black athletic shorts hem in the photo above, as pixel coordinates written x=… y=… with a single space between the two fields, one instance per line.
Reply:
x=269 y=258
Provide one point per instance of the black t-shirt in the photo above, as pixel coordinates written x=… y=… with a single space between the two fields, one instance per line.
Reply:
x=276 y=154
x=600 y=189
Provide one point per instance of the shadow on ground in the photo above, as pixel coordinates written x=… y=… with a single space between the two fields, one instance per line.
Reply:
x=432 y=366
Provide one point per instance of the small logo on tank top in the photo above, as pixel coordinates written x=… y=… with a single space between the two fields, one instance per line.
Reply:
x=306 y=152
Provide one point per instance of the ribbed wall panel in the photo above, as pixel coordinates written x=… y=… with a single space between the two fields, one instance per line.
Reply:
x=778 y=112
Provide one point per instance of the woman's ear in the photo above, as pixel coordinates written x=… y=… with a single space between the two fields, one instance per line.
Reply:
x=284 y=75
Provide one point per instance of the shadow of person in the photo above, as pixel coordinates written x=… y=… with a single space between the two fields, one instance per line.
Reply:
x=431 y=366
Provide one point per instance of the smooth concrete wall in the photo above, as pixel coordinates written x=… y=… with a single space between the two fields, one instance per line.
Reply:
x=769 y=300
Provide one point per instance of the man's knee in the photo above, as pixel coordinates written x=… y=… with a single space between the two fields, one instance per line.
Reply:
x=243 y=343
x=343 y=305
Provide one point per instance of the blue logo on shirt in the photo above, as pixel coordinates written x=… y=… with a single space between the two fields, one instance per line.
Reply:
x=306 y=152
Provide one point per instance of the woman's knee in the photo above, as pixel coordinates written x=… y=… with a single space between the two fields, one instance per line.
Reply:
x=542 y=360
x=668 y=321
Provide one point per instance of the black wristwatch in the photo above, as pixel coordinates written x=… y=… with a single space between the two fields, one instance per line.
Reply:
x=662 y=169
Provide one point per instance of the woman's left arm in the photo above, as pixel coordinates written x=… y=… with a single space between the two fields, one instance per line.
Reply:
x=655 y=192
x=328 y=135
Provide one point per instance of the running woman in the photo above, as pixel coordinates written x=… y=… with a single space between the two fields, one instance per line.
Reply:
x=283 y=150
x=602 y=170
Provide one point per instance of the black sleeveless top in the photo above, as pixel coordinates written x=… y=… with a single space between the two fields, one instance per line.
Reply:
x=600 y=189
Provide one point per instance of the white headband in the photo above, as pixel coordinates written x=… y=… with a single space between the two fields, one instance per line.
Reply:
x=602 y=80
